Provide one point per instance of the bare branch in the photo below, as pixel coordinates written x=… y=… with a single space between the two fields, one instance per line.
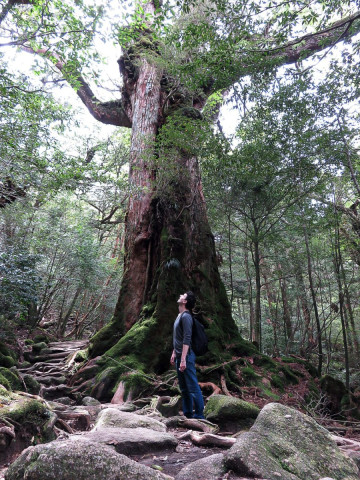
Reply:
x=110 y=113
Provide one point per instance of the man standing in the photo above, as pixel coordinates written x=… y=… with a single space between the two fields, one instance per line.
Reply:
x=184 y=357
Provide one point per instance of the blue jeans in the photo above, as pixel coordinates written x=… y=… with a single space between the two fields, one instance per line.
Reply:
x=190 y=390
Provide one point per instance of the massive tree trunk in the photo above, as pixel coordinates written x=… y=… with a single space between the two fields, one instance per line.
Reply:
x=168 y=242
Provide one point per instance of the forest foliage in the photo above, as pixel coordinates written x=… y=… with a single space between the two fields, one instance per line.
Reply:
x=281 y=185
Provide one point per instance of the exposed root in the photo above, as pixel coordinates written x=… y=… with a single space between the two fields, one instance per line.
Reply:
x=216 y=390
x=346 y=443
x=224 y=387
x=202 y=425
x=208 y=439
x=64 y=426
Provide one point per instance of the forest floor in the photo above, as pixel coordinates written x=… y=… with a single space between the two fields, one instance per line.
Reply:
x=171 y=462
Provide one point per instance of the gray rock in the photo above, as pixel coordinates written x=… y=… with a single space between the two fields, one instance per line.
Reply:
x=356 y=457
x=134 y=440
x=286 y=444
x=209 y=468
x=90 y=402
x=112 y=417
x=230 y=413
x=77 y=458
x=66 y=401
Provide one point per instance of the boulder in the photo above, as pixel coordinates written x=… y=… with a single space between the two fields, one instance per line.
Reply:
x=112 y=417
x=230 y=413
x=286 y=444
x=77 y=458
x=209 y=468
x=90 y=401
x=134 y=441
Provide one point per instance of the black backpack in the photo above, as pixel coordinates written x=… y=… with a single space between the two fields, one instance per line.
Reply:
x=199 y=340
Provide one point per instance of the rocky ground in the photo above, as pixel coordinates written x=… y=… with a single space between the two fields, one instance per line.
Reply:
x=51 y=368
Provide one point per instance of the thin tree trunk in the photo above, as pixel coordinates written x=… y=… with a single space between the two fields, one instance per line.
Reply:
x=257 y=319
x=288 y=328
x=306 y=342
x=313 y=295
x=337 y=261
x=272 y=302
x=230 y=262
x=349 y=309
x=250 y=296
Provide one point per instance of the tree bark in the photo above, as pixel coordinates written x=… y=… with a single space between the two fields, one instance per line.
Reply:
x=168 y=243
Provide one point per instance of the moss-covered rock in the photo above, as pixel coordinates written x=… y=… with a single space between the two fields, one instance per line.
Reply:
x=41 y=338
x=81 y=356
x=112 y=417
x=4 y=393
x=7 y=351
x=230 y=412
x=12 y=377
x=34 y=423
x=284 y=443
x=32 y=385
x=78 y=458
x=37 y=347
x=335 y=390
x=6 y=361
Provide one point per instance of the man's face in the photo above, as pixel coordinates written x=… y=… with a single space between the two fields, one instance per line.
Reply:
x=182 y=299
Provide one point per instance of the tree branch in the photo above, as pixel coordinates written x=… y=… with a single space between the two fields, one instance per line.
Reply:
x=110 y=113
x=8 y=6
x=305 y=46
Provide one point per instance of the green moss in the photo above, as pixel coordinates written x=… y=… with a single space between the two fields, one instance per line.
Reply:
x=32 y=385
x=6 y=361
x=29 y=412
x=289 y=374
x=12 y=378
x=7 y=352
x=4 y=393
x=41 y=338
x=277 y=382
x=81 y=356
x=29 y=341
x=249 y=373
x=135 y=383
x=309 y=367
x=104 y=338
x=266 y=362
x=37 y=347
x=5 y=382
x=25 y=364
x=230 y=407
x=268 y=393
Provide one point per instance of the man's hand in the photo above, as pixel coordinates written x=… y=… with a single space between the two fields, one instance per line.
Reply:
x=182 y=365
x=172 y=358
